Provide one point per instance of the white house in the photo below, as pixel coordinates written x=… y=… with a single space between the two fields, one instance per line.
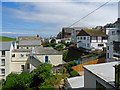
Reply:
x=112 y=36
x=91 y=39
x=29 y=44
x=45 y=55
x=74 y=32
x=100 y=76
x=5 y=58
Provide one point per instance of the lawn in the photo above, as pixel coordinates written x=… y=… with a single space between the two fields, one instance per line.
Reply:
x=2 y=38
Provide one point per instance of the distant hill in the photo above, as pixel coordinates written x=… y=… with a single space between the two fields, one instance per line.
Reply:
x=2 y=38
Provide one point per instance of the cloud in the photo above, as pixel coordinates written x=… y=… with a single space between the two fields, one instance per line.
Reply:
x=63 y=14
x=16 y=33
x=58 y=0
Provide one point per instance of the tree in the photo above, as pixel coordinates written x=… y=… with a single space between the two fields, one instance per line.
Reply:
x=42 y=72
x=65 y=55
x=18 y=81
x=53 y=41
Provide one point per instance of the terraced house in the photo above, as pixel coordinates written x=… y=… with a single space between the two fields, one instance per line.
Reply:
x=17 y=60
x=5 y=58
x=91 y=39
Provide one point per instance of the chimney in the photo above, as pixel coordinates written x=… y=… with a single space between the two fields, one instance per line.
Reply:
x=37 y=36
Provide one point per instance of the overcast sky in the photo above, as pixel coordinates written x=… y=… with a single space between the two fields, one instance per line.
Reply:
x=47 y=18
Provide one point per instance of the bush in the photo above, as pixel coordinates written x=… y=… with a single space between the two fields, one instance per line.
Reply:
x=18 y=81
x=74 y=73
x=60 y=47
x=65 y=55
x=53 y=41
x=46 y=87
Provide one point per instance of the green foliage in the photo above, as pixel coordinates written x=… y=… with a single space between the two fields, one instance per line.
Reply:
x=72 y=54
x=49 y=44
x=74 y=73
x=18 y=81
x=65 y=55
x=53 y=41
x=63 y=42
x=70 y=70
x=46 y=87
x=2 y=38
x=39 y=79
x=60 y=47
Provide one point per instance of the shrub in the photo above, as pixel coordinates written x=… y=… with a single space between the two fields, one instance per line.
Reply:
x=65 y=55
x=74 y=73
x=46 y=87
x=60 y=47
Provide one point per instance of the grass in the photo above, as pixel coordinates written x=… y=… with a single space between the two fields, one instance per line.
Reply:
x=2 y=38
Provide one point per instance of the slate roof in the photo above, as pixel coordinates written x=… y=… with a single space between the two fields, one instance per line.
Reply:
x=92 y=32
x=21 y=50
x=5 y=46
x=45 y=51
x=30 y=43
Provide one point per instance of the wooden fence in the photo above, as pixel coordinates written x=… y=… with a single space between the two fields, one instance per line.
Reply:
x=97 y=61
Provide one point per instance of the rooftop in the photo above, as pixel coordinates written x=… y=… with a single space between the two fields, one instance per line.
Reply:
x=21 y=50
x=5 y=46
x=92 y=32
x=45 y=51
x=105 y=71
x=76 y=82
x=30 y=43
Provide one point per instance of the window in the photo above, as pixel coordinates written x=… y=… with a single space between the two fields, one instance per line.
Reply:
x=3 y=62
x=27 y=47
x=88 y=38
x=27 y=55
x=22 y=67
x=13 y=55
x=81 y=38
x=93 y=38
x=107 y=47
x=100 y=45
x=88 y=45
x=28 y=66
x=113 y=32
x=84 y=38
x=3 y=53
x=3 y=71
x=21 y=55
x=46 y=59
x=78 y=37
x=107 y=55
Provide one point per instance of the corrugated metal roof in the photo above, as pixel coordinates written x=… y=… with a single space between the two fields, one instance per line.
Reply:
x=31 y=43
x=4 y=46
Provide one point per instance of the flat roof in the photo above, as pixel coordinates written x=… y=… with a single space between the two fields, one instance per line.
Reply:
x=76 y=82
x=105 y=71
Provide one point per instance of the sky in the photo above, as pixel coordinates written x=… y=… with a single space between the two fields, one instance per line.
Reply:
x=47 y=18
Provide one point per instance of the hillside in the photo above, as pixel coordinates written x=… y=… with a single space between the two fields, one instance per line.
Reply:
x=73 y=54
x=2 y=38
